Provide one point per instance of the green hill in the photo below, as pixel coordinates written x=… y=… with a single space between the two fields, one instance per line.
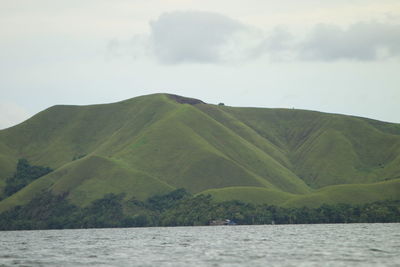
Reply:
x=347 y=193
x=157 y=143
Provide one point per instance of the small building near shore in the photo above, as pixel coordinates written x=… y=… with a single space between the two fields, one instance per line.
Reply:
x=222 y=222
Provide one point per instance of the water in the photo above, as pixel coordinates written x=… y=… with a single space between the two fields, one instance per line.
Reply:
x=266 y=245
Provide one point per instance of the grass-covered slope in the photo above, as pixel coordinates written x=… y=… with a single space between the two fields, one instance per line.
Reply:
x=255 y=195
x=156 y=143
x=328 y=149
x=347 y=193
x=190 y=149
x=91 y=178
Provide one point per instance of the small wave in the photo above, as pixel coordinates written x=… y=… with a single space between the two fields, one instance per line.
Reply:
x=8 y=256
x=377 y=250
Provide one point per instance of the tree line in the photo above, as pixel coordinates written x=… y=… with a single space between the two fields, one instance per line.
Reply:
x=180 y=208
x=24 y=175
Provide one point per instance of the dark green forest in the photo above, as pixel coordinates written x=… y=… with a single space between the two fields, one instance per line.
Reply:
x=179 y=208
x=24 y=175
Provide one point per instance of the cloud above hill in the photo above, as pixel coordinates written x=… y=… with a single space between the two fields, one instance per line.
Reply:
x=206 y=37
x=192 y=36
x=361 y=41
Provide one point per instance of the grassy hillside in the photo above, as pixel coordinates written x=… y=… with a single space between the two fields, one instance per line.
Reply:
x=328 y=149
x=255 y=195
x=89 y=179
x=156 y=143
x=348 y=193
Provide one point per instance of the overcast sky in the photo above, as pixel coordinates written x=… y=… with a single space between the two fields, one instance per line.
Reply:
x=340 y=56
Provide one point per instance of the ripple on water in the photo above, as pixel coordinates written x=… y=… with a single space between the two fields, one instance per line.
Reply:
x=272 y=245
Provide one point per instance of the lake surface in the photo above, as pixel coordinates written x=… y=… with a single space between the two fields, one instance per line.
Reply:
x=264 y=245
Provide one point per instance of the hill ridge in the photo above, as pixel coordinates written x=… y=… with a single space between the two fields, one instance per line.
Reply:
x=166 y=141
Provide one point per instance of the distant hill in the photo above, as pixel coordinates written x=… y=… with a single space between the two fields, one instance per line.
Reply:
x=154 y=144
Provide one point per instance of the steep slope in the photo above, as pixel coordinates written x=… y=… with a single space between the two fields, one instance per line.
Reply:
x=328 y=149
x=61 y=134
x=191 y=150
x=153 y=144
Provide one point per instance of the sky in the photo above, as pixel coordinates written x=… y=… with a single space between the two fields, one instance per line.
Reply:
x=337 y=56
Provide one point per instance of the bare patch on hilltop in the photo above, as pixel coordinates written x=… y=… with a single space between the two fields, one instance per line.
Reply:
x=185 y=100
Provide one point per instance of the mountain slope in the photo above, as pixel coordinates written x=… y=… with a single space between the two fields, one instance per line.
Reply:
x=153 y=144
x=328 y=149
x=346 y=193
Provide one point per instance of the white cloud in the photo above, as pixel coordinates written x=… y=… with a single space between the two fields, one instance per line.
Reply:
x=206 y=37
x=192 y=36
x=361 y=41
x=278 y=45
